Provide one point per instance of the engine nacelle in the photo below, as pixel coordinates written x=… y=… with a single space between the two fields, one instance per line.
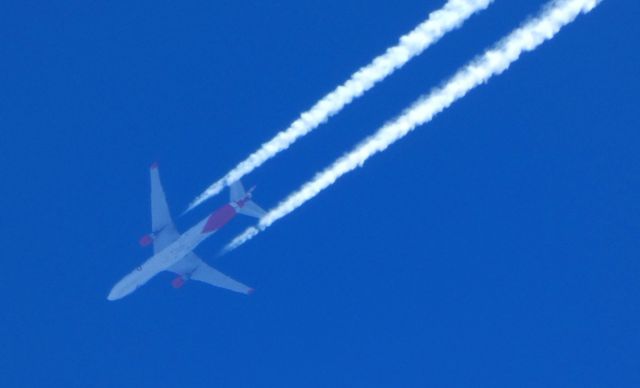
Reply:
x=178 y=282
x=146 y=240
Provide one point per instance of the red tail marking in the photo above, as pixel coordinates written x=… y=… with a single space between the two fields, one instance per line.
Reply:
x=219 y=218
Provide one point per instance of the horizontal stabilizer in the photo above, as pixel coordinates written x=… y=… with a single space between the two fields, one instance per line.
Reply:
x=236 y=191
x=251 y=209
x=247 y=207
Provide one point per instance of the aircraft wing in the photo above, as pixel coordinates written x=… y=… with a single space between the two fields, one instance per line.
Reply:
x=163 y=229
x=210 y=275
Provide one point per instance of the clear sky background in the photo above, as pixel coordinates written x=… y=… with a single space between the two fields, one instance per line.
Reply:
x=497 y=246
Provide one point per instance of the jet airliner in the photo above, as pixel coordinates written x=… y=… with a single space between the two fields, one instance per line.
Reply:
x=174 y=252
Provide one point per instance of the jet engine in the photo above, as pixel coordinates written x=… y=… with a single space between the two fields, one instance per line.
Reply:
x=178 y=282
x=146 y=240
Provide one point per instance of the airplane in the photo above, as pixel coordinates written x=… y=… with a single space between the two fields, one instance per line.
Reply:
x=174 y=252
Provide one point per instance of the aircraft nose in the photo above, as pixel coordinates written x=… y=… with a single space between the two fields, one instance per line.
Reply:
x=118 y=291
x=111 y=296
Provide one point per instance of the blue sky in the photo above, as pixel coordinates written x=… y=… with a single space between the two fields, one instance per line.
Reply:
x=496 y=246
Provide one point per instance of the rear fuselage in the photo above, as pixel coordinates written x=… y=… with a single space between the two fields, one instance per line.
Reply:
x=220 y=218
x=224 y=214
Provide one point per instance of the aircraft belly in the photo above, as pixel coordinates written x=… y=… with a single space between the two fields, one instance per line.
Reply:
x=185 y=266
x=159 y=262
x=132 y=281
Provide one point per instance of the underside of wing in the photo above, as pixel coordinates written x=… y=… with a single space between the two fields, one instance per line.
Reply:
x=162 y=227
x=210 y=275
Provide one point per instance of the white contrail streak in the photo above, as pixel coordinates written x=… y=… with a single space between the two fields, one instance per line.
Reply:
x=493 y=62
x=439 y=22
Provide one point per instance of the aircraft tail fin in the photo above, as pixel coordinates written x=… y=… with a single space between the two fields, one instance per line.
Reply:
x=247 y=207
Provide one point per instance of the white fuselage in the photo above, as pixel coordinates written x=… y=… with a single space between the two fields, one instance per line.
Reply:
x=161 y=261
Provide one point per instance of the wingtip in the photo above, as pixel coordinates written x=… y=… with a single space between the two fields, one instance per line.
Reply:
x=251 y=291
x=154 y=166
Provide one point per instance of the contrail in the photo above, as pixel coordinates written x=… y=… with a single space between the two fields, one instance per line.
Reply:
x=496 y=60
x=439 y=22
